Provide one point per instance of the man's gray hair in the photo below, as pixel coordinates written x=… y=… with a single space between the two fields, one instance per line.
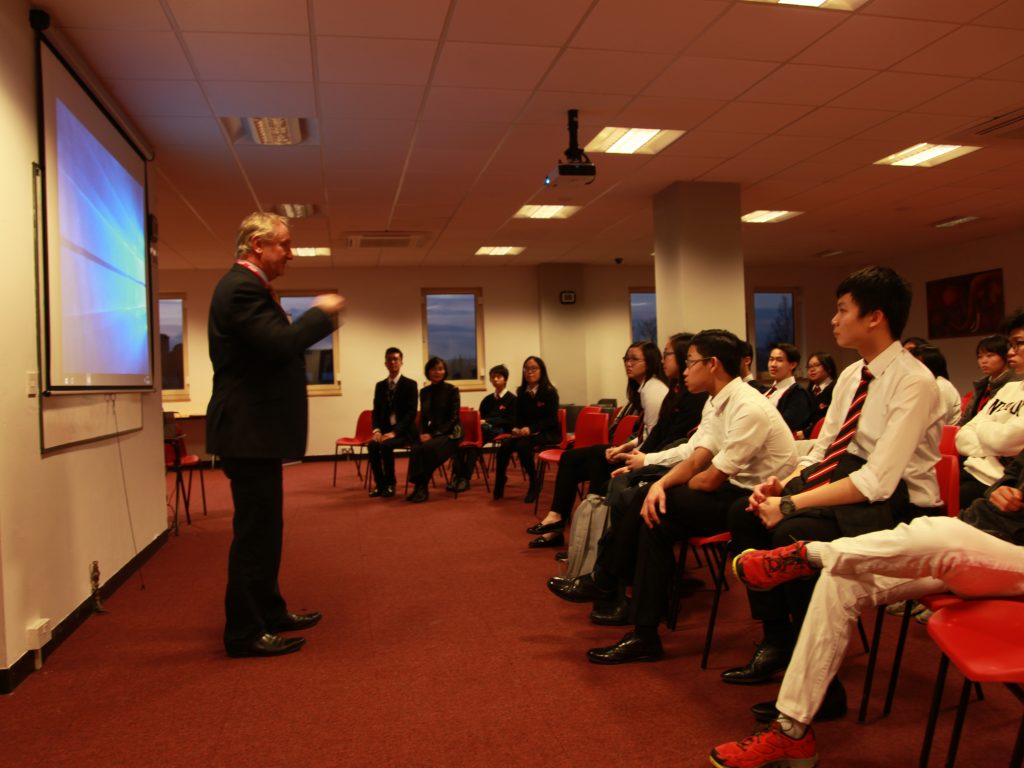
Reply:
x=259 y=225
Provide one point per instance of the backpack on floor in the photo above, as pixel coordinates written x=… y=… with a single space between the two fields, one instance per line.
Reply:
x=589 y=522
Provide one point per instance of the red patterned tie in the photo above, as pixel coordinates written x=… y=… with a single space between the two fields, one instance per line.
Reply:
x=822 y=473
x=771 y=391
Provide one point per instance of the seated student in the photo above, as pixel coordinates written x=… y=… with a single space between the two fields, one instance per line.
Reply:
x=645 y=391
x=394 y=416
x=821 y=370
x=534 y=424
x=988 y=440
x=873 y=464
x=976 y=555
x=991 y=352
x=742 y=438
x=496 y=411
x=792 y=400
x=935 y=362
x=440 y=429
x=912 y=342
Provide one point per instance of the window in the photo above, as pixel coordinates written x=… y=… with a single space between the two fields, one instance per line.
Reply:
x=643 y=315
x=174 y=376
x=321 y=374
x=453 y=324
x=774 y=322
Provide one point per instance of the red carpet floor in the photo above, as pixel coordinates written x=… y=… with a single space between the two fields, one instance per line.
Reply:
x=440 y=646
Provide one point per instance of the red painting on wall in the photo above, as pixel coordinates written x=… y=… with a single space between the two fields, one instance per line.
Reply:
x=965 y=305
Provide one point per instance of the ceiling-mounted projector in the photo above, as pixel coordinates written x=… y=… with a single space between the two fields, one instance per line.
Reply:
x=576 y=169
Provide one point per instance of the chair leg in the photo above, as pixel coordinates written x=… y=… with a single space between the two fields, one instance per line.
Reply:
x=716 y=555
x=541 y=471
x=933 y=713
x=188 y=497
x=334 y=480
x=672 y=609
x=872 y=659
x=894 y=675
x=958 y=724
x=202 y=488
x=863 y=635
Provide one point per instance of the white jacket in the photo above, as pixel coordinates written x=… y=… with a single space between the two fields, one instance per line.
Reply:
x=997 y=431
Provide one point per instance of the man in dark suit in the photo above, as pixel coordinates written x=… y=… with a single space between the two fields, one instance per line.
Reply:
x=394 y=422
x=257 y=418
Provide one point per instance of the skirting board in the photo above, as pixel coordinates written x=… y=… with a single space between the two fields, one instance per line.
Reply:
x=14 y=675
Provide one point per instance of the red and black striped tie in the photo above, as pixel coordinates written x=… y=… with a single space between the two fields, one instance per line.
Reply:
x=822 y=473
x=771 y=391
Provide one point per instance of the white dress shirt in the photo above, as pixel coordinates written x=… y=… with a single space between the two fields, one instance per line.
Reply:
x=951 y=399
x=899 y=429
x=652 y=392
x=780 y=390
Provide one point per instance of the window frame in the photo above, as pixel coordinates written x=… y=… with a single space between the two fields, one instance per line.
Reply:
x=798 y=320
x=175 y=395
x=465 y=385
x=321 y=390
x=629 y=308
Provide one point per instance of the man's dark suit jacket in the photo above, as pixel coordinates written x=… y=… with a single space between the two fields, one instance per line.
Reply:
x=796 y=408
x=258 y=407
x=406 y=399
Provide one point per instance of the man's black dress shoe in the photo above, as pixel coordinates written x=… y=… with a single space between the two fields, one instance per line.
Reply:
x=833 y=706
x=499 y=490
x=611 y=615
x=294 y=622
x=558 y=525
x=630 y=648
x=582 y=589
x=268 y=645
x=419 y=495
x=388 y=492
x=562 y=557
x=540 y=542
x=377 y=491
x=765 y=663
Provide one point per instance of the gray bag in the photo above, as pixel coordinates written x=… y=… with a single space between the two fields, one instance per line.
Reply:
x=589 y=522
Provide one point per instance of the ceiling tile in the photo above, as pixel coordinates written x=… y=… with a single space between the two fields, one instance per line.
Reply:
x=978 y=98
x=708 y=78
x=833 y=121
x=967 y=52
x=746 y=171
x=657 y=112
x=282 y=99
x=604 y=71
x=410 y=19
x=223 y=56
x=525 y=22
x=764 y=32
x=1009 y=14
x=171 y=98
x=374 y=61
x=957 y=11
x=737 y=116
x=476 y=104
x=275 y=16
x=646 y=25
x=141 y=55
x=551 y=107
x=805 y=84
x=1013 y=71
x=790 y=148
x=896 y=91
x=872 y=42
x=465 y=135
x=128 y=15
x=913 y=127
x=370 y=102
x=702 y=142
x=492 y=66
x=173 y=131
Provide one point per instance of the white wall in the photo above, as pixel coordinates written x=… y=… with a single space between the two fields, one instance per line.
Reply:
x=62 y=511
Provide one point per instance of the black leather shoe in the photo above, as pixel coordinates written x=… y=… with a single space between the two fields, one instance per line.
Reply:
x=558 y=525
x=499 y=489
x=765 y=663
x=629 y=648
x=558 y=540
x=612 y=615
x=377 y=491
x=562 y=557
x=461 y=485
x=388 y=492
x=833 y=706
x=419 y=495
x=295 y=622
x=268 y=645
x=582 y=589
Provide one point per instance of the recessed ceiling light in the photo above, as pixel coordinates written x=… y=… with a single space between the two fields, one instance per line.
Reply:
x=926 y=155
x=768 y=217
x=274 y=131
x=310 y=252
x=499 y=250
x=835 y=5
x=546 y=211
x=295 y=210
x=632 y=141
x=831 y=254
x=954 y=221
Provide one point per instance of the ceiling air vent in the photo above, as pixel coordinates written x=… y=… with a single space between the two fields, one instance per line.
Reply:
x=386 y=239
x=1008 y=126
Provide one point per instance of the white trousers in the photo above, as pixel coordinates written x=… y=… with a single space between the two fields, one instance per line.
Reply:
x=931 y=554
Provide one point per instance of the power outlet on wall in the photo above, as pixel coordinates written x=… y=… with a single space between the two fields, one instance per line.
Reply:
x=38 y=634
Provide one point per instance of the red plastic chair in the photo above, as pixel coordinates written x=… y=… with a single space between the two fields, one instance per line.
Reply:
x=472 y=437
x=624 y=429
x=591 y=429
x=983 y=640
x=716 y=554
x=177 y=459
x=947 y=445
x=364 y=432
x=816 y=429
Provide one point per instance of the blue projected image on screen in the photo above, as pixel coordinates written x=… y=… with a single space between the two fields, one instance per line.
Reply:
x=103 y=259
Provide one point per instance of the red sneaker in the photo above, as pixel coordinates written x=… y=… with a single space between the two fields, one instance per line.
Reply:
x=768 y=747
x=763 y=569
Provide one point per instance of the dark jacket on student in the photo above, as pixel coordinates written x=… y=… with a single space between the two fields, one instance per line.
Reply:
x=796 y=409
x=496 y=414
x=540 y=413
x=403 y=400
x=439 y=410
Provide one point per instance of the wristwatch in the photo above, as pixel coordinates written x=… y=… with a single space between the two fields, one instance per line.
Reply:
x=786 y=506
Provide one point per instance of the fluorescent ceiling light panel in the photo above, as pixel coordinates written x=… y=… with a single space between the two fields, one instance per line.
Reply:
x=546 y=211
x=808 y=3
x=274 y=131
x=835 y=5
x=954 y=221
x=310 y=252
x=768 y=217
x=499 y=250
x=632 y=141
x=926 y=155
x=295 y=210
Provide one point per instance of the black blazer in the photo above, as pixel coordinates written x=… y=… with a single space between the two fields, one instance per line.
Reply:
x=540 y=414
x=258 y=406
x=796 y=408
x=498 y=412
x=821 y=401
x=678 y=423
x=439 y=409
x=405 y=408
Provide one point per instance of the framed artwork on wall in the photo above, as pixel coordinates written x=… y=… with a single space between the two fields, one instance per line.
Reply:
x=965 y=305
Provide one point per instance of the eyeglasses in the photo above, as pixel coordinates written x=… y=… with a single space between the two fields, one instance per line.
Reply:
x=627 y=360
x=668 y=353
x=690 y=363
x=530 y=369
x=1016 y=344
